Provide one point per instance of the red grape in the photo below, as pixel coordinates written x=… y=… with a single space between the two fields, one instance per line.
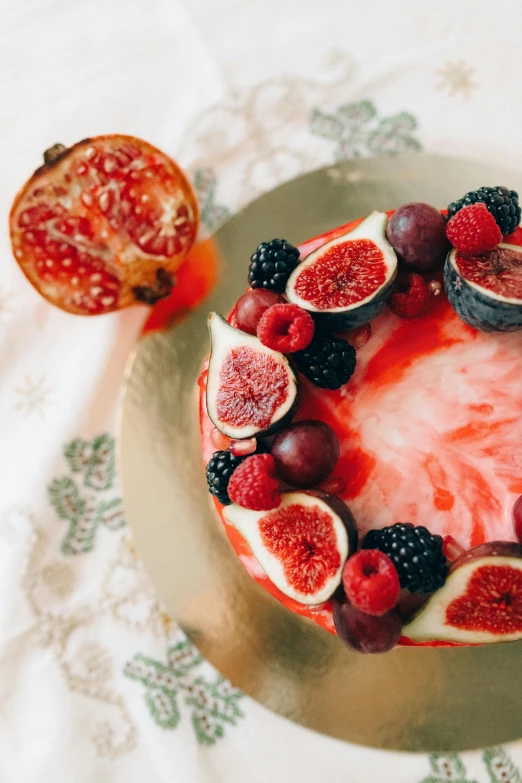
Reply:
x=305 y=453
x=251 y=306
x=363 y=632
x=417 y=232
x=517 y=517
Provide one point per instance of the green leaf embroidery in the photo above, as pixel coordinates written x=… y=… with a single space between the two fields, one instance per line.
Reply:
x=110 y=513
x=85 y=511
x=213 y=704
x=163 y=708
x=448 y=768
x=207 y=730
x=393 y=135
x=65 y=497
x=358 y=130
x=500 y=767
x=183 y=657
x=77 y=453
x=80 y=537
x=101 y=469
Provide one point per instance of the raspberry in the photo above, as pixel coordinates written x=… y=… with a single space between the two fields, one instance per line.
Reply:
x=414 y=302
x=473 y=230
x=416 y=554
x=253 y=484
x=286 y=328
x=371 y=582
x=501 y=202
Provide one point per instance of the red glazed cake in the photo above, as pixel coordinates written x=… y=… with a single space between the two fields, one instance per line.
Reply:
x=361 y=420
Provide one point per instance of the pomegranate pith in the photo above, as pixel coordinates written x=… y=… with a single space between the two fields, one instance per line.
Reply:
x=103 y=224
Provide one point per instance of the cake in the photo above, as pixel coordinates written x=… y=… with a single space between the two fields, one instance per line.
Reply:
x=361 y=422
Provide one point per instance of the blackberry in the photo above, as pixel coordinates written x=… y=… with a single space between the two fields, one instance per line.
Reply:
x=272 y=264
x=220 y=467
x=328 y=361
x=500 y=201
x=416 y=554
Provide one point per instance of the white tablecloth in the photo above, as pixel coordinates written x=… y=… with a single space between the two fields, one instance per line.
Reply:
x=95 y=682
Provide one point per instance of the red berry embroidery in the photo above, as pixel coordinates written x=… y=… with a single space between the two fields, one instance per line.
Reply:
x=371 y=582
x=286 y=328
x=413 y=302
x=253 y=484
x=473 y=230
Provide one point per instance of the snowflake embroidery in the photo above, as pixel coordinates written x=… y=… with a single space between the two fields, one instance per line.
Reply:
x=357 y=130
x=88 y=507
x=213 y=703
x=34 y=396
x=455 y=78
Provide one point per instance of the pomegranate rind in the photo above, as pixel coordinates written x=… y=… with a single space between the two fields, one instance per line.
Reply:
x=124 y=260
x=225 y=339
x=360 y=310
x=250 y=525
x=482 y=308
x=435 y=621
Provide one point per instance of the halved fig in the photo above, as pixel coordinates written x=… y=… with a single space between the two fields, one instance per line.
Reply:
x=486 y=290
x=481 y=601
x=348 y=279
x=302 y=545
x=251 y=389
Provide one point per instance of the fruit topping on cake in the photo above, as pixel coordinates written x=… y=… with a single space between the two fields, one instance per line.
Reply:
x=305 y=453
x=416 y=554
x=371 y=582
x=254 y=485
x=375 y=431
x=103 y=224
x=481 y=600
x=417 y=233
x=251 y=306
x=302 y=545
x=501 y=202
x=251 y=389
x=366 y=633
x=329 y=362
x=348 y=279
x=486 y=290
x=474 y=230
x=286 y=328
x=272 y=264
x=411 y=299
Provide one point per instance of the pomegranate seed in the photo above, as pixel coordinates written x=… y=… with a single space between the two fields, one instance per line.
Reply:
x=241 y=448
x=451 y=548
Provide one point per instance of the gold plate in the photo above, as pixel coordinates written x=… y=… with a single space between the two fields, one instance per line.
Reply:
x=408 y=699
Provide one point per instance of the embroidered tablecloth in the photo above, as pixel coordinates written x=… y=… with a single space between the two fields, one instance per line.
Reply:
x=95 y=681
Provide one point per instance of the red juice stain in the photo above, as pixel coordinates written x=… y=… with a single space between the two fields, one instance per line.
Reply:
x=194 y=280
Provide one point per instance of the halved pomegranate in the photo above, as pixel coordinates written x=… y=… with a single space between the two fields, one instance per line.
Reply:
x=103 y=224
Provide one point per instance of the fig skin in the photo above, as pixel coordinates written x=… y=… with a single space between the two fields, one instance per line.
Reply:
x=489 y=549
x=340 y=508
